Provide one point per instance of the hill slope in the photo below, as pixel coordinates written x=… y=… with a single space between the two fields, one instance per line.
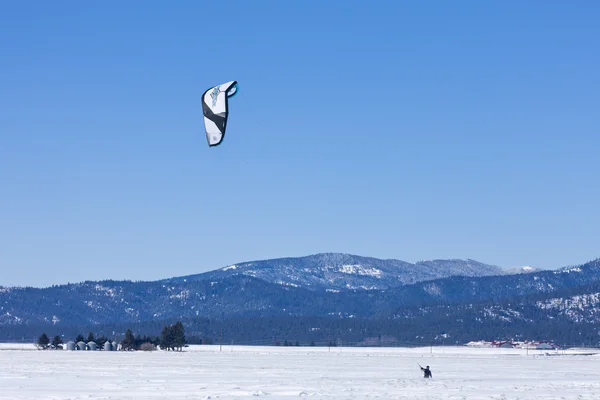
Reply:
x=335 y=271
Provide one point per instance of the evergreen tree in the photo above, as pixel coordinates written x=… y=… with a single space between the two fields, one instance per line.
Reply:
x=166 y=338
x=90 y=337
x=178 y=336
x=101 y=340
x=79 y=338
x=43 y=341
x=128 y=343
x=57 y=341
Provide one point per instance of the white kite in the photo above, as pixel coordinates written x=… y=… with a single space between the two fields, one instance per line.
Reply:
x=215 y=107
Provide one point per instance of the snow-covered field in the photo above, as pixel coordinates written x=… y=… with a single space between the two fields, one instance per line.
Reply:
x=238 y=372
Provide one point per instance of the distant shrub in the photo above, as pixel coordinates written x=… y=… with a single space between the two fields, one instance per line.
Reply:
x=147 y=347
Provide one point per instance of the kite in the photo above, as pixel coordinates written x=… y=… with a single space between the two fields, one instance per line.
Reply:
x=215 y=107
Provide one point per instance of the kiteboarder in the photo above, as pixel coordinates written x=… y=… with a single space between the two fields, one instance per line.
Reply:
x=426 y=372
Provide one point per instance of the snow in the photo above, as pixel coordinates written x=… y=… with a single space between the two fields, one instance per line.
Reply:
x=284 y=283
x=244 y=372
x=581 y=308
x=107 y=290
x=230 y=267
x=579 y=302
x=432 y=289
x=360 y=270
x=568 y=270
x=184 y=294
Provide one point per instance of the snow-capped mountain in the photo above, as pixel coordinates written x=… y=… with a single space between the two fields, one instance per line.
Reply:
x=335 y=271
x=320 y=286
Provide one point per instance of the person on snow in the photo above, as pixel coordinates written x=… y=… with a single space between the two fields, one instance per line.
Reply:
x=426 y=372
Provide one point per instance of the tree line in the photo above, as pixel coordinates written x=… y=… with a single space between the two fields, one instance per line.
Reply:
x=172 y=338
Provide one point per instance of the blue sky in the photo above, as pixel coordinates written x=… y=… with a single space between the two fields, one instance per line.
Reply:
x=411 y=130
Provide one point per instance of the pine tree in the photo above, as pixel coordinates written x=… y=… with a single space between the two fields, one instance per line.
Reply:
x=43 y=341
x=101 y=340
x=178 y=332
x=90 y=337
x=128 y=343
x=166 y=338
x=56 y=342
x=79 y=338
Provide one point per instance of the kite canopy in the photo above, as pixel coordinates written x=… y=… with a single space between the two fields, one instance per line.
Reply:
x=215 y=107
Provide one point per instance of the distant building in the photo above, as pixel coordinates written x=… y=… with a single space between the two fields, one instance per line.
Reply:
x=505 y=344
x=479 y=343
x=92 y=346
x=545 y=346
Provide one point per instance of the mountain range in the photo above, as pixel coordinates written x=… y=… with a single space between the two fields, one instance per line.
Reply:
x=335 y=271
x=327 y=287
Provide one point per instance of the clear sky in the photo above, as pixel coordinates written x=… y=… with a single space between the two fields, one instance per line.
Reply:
x=394 y=129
